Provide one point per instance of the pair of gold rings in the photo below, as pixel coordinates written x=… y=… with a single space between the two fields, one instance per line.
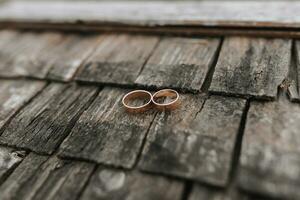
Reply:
x=151 y=100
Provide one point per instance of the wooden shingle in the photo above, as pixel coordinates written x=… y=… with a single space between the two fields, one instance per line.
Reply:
x=179 y=63
x=23 y=55
x=110 y=184
x=44 y=55
x=270 y=163
x=195 y=141
x=294 y=74
x=38 y=177
x=106 y=133
x=46 y=121
x=9 y=159
x=251 y=67
x=14 y=95
x=118 y=59
x=66 y=58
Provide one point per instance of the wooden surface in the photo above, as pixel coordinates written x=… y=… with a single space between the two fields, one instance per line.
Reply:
x=42 y=55
x=40 y=177
x=118 y=59
x=15 y=94
x=251 y=67
x=46 y=121
x=106 y=133
x=179 y=63
x=293 y=79
x=195 y=141
x=211 y=147
x=68 y=56
x=212 y=18
x=111 y=184
x=270 y=152
x=23 y=55
x=205 y=13
x=9 y=160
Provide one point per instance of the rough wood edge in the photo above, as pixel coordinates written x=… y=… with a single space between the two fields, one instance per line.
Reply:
x=156 y=30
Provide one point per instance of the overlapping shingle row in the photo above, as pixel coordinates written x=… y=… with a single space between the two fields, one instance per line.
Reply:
x=116 y=154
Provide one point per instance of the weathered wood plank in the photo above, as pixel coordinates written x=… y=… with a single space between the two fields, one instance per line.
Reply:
x=209 y=193
x=294 y=74
x=6 y=36
x=200 y=192
x=38 y=177
x=15 y=94
x=251 y=67
x=106 y=134
x=46 y=121
x=113 y=184
x=195 y=142
x=9 y=159
x=208 y=13
x=67 y=57
x=118 y=59
x=179 y=63
x=270 y=162
x=40 y=55
x=22 y=56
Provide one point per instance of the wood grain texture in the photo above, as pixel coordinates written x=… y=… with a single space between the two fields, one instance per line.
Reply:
x=15 y=94
x=251 y=67
x=110 y=184
x=270 y=152
x=67 y=57
x=118 y=59
x=40 y=55
x=179 y=63
x=194 y=142
x=292 y=82
x=106 y=134
x=208 y=13
x=22 y=56
x=38 y=177
x=46 y=121
x=9 y=159
x=200 y=192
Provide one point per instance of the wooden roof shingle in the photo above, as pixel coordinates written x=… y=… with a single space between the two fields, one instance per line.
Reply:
x=64 y=133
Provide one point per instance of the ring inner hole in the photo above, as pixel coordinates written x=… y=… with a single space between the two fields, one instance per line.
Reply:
x=137 y=99
x=165 y=97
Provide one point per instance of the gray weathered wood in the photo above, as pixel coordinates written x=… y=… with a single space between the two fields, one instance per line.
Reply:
x=194 y=142
x=251 y=67
x=22 y=56
x=38 y=177
x=270 y=162
x=67 y=57
x=20 y=176
x=118 y=59
x=203 y=192
x=210 y=193
x=9 y=159
x=205 y=13
x=109 y=184
x=179 y=63
x=46 y=121
x=6 y=36
x=40 y=55
x=294 y=74
x=105 y=133
x=15 y=94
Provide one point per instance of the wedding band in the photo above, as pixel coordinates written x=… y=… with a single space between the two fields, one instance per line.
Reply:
x=137 y=94
x=166 y=93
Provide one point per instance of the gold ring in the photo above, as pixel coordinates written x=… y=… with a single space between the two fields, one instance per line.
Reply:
x=166 y=93
x=137 y=94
